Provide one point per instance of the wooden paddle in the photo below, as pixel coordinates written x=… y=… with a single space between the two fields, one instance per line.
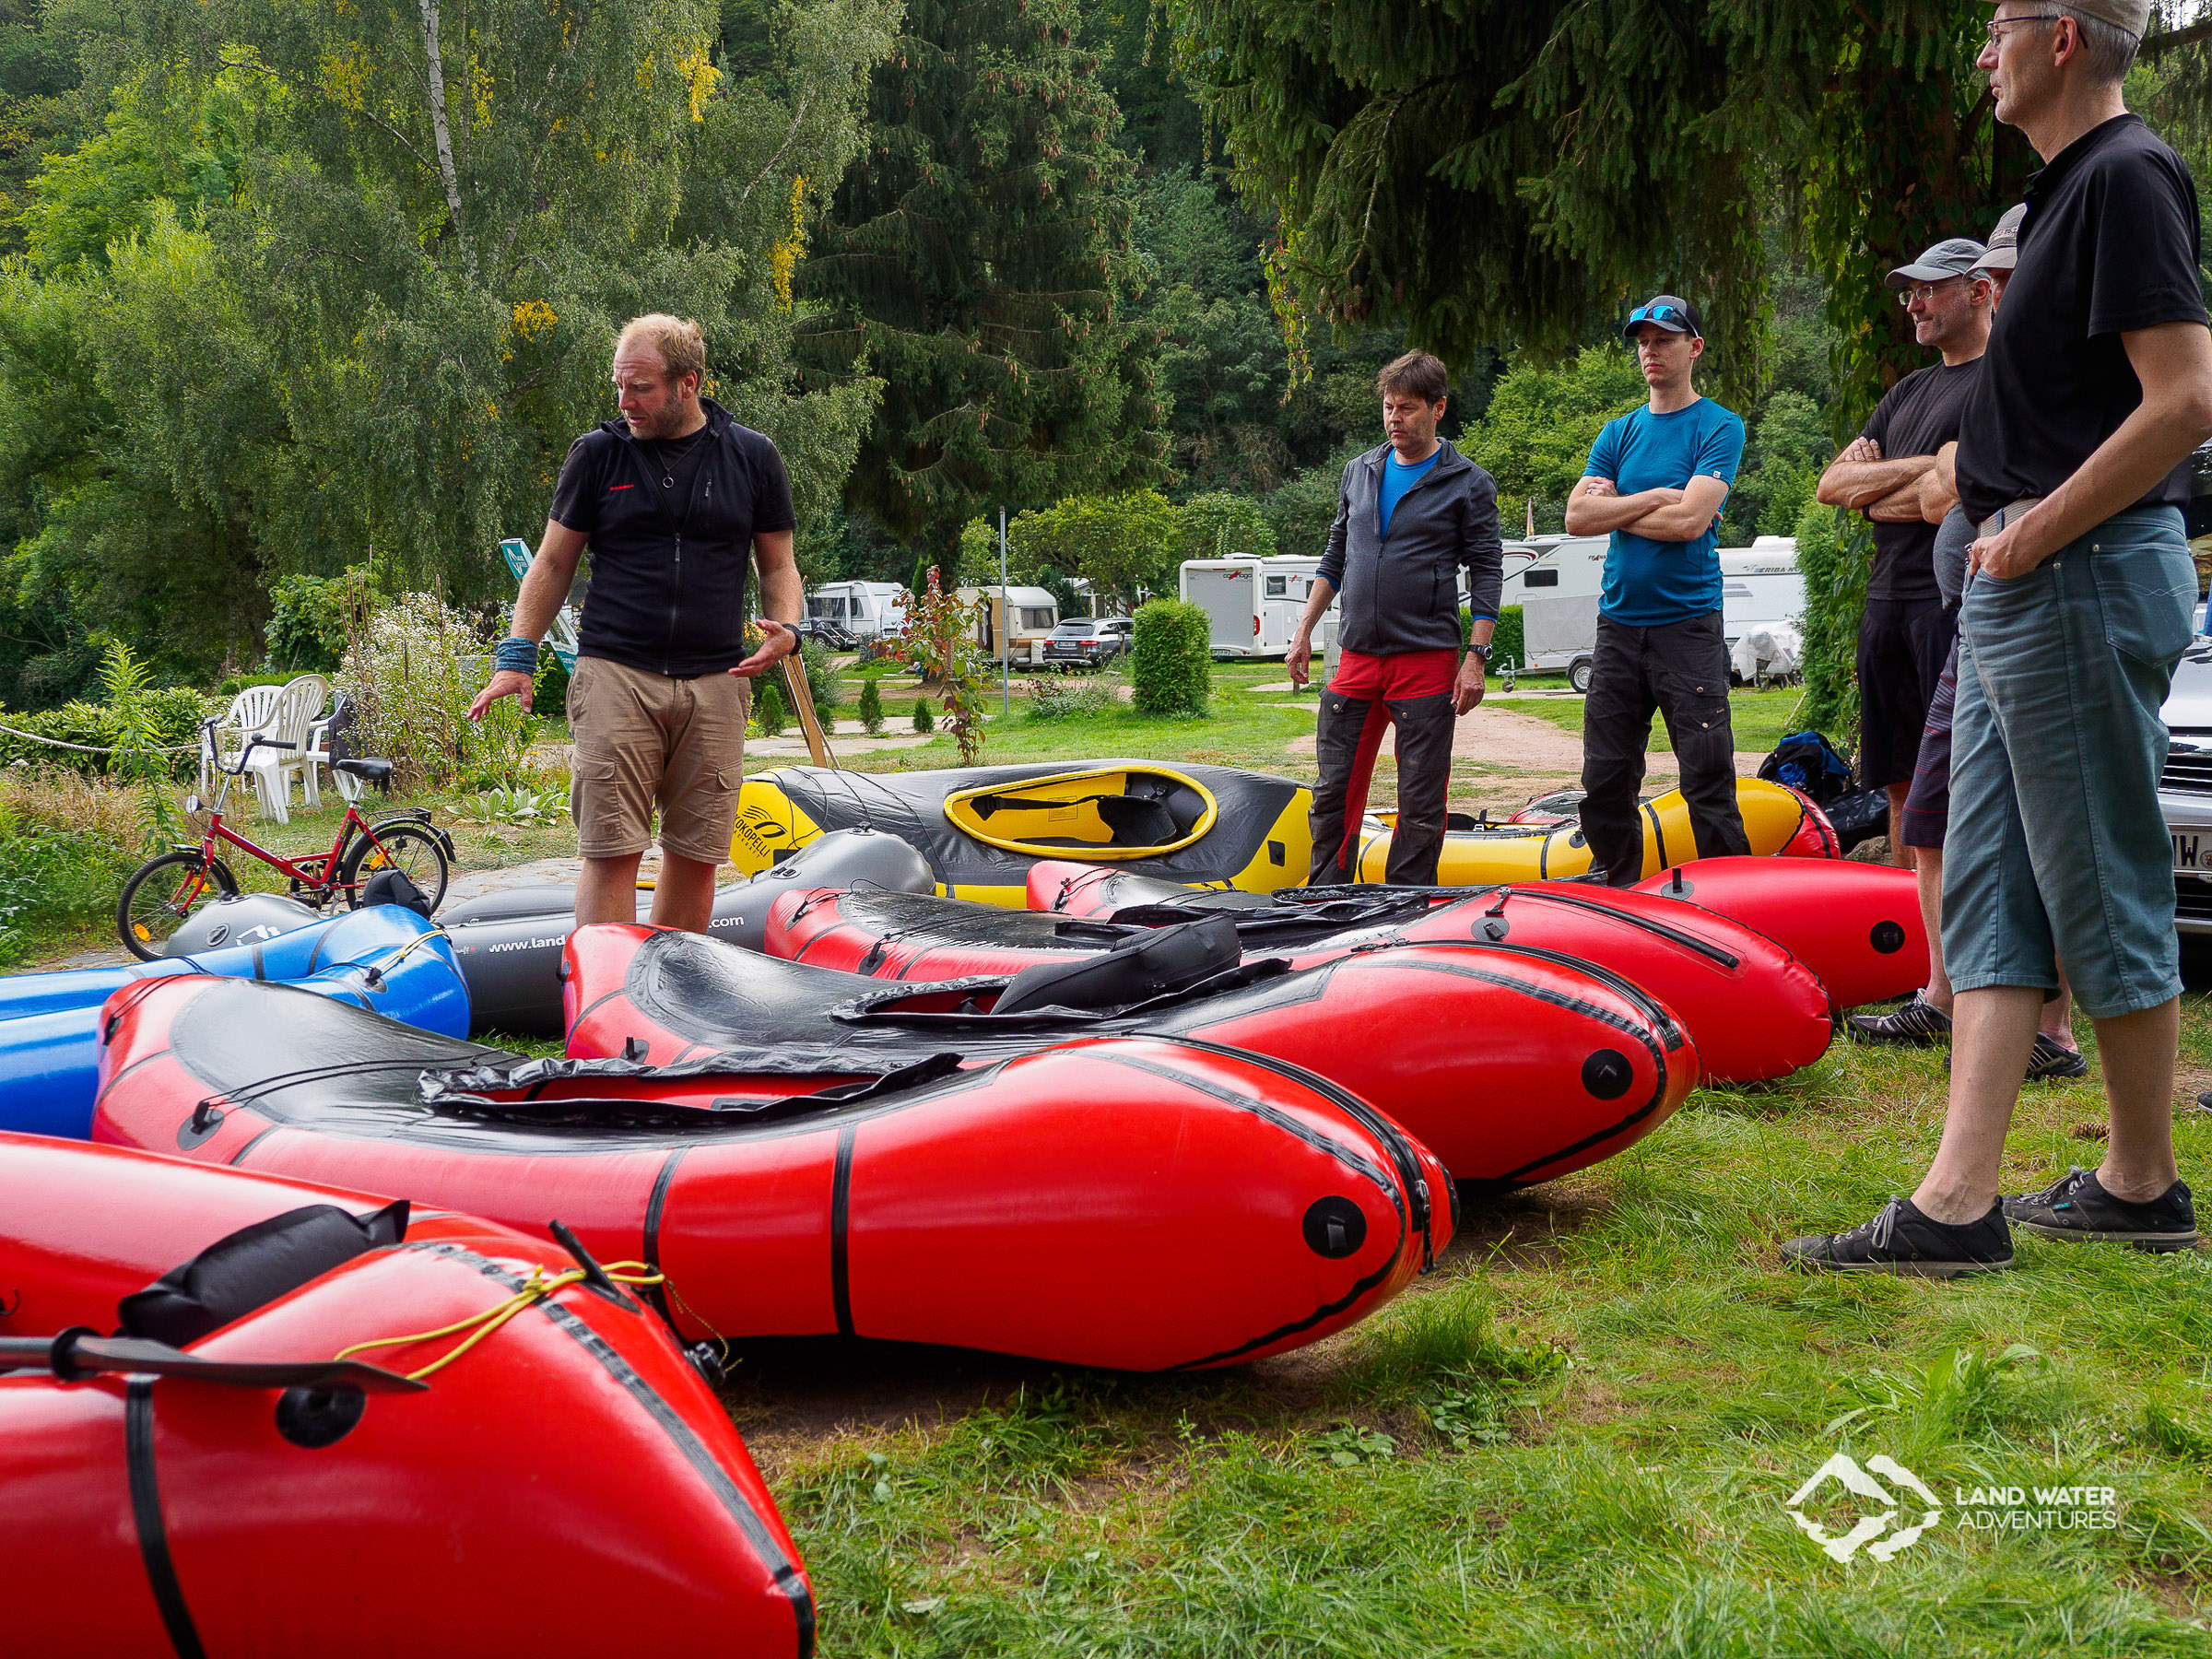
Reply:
x=802 y=700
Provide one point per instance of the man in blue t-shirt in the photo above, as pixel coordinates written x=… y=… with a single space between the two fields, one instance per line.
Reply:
x=1655 y=480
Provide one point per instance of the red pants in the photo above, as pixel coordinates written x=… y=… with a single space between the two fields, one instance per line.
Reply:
x=1412 y=691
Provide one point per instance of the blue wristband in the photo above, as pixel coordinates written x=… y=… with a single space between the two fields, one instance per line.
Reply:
x=517 y=654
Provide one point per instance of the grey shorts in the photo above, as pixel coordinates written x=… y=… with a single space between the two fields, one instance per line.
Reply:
x=2056 y=847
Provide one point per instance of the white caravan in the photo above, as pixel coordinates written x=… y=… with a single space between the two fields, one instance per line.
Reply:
x=1254 y=603
x=1036 y=614
x=866 y=610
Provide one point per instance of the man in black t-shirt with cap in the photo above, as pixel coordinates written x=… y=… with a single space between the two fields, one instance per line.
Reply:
x=1888 y=472
x=2071 y=461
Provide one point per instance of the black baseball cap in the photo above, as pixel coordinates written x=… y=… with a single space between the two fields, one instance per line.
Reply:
x=1670 y=312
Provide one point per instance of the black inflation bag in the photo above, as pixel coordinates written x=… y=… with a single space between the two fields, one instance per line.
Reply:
x=253 y=1266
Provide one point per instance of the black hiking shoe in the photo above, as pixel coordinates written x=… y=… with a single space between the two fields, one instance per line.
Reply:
x=1915 y=1025
x=2077 y=1207
x=2049 y=1059
x=1901 y=1240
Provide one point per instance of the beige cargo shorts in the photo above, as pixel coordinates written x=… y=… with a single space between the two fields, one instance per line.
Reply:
x=644 y=740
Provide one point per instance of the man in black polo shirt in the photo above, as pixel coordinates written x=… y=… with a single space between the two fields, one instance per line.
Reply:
x=2072 y=455
x=1888 y=472
x=674 y=499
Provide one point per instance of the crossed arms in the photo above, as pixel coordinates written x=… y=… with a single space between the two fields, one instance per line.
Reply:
x=1595 y=508
x=1910 y=490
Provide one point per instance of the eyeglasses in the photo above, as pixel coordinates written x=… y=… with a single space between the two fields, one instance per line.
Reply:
x=1662 y=315
x=1996 y=36
x=1926 y=292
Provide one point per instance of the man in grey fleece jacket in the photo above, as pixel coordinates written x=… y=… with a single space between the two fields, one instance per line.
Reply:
x=1411 y=513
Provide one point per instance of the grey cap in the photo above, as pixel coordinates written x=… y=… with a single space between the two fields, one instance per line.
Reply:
x=1670 y=312
x=2004 y=252
x=1954 y=256
x=2131 y=15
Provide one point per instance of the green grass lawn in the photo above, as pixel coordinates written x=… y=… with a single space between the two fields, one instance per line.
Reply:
x=1762 y=719
x=1575 y=1438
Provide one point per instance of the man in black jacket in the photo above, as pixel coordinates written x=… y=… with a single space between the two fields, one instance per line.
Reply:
x=1410 y=514
x=673 y=499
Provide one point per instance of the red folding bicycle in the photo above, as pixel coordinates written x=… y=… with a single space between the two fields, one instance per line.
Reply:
x=166 y=890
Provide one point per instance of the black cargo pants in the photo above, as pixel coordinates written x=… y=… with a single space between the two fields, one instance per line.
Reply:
x=1348 y=739
x=1679 y=670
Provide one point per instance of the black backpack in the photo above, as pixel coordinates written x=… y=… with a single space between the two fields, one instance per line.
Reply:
x=1808 y=763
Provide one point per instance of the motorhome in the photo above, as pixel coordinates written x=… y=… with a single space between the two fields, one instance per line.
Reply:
x=1760 y=586
x=1556 y=580
x=866 y=610
x=1035 y=614
x=1254 y=603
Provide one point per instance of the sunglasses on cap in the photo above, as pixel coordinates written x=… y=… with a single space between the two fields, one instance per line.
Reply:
x=1665 y=315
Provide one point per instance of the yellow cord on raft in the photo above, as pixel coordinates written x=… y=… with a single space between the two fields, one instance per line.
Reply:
x=535 y=1288
x=413 y=945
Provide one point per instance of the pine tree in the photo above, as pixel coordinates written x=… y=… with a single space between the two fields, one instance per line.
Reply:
x=871 y=706
x=767 y=709
x=1502 y=170
x=978 y=258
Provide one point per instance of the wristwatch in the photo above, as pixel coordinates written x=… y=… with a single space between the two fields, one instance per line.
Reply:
x=1483 y=651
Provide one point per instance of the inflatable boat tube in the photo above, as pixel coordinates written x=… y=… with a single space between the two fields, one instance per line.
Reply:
x=239 y=919
x=1752 y=1010
x=386 y=957
x=1856 y=926
x=981 y=827
x=508 y=944
x=209 y=1482
x=1138 y=1203
x=1777 y=819
x=1065 y=888
x=1513 y=1064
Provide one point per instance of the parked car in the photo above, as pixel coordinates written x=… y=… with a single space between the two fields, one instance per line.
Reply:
x=830 y=633
x=2186 y=787
x=1088 y=641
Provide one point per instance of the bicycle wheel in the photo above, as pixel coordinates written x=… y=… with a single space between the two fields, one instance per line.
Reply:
x=163 y=892
x=414 y=850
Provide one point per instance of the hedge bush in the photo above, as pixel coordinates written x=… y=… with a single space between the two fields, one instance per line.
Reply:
x=1172 y=661
x=174 y=713
x=1833 y=556
x=768 y=714
x=1508 y=645
x=306 y=631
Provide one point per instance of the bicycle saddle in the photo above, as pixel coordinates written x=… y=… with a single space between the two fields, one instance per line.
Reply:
x=373 y=771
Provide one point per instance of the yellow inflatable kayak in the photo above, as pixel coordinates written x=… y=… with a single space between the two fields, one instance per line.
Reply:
x=981 y=827
x=1777 y=819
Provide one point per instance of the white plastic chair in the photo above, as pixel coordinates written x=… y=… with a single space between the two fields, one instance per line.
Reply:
x=249 y=713
x=297 y=705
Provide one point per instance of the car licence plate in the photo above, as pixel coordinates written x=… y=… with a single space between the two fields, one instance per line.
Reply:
x=2186 y=853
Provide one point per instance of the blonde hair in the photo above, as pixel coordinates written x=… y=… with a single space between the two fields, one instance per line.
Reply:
x=682 y=346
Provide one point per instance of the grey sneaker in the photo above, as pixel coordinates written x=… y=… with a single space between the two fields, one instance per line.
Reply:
x=1915 y=1025
x=2049 y=1060
x=2077 y=1207
x=1901 y=1240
